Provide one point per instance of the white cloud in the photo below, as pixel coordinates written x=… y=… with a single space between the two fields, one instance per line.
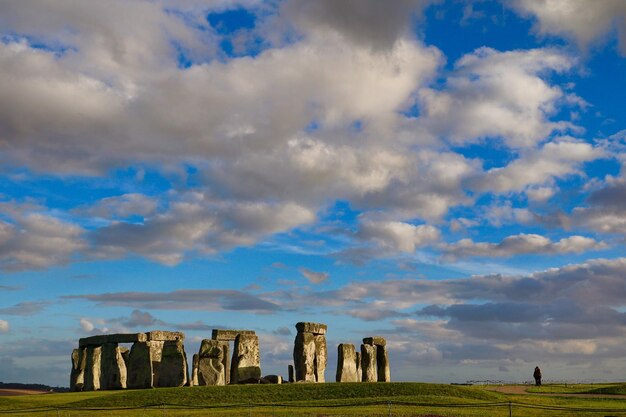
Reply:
x=398 y=236
x=521 y=244
x=4 y=326
x=123 y=206
x=537 y=167
x=498 y=94
x=37 y=241
x=576 y=19
x=86 y=325
x=314 y=277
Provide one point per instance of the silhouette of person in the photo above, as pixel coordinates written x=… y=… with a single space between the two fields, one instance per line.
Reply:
x=537 y=376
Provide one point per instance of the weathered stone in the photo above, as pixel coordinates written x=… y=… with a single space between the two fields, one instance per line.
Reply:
x=246 y=363
x=226 y=361
x=304 y=357
x=163 y=336
x=290 y=373
x=308 y=327
x=211 y=370
x=194 y=370
x=139 y=367
x=346 y=363
x=375 y=340
x=359 y=372
x=77 y=376
x=321 y=355
x=112 y=338
x=92 y=368
x=173 y=371
x=155 y=335
x=382 y=361
x=273 y=379
x=368 y=363
x=113 y=367
x=229 y=335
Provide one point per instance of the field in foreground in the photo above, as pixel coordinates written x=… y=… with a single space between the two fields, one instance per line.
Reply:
x=359 y=399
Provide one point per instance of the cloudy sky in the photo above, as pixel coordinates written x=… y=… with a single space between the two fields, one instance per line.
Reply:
x=448 y=174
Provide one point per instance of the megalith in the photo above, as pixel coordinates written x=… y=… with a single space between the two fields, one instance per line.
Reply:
x=310 y=352
x=194 y=370
x=77 y=376
x=346 y=363
x=210 y=363
x=92 y=368
x=290 y=376
x=382 y=357
x=368 y=363
x=246 y=364
x=139 y=366
x=113 y=368
x=359 y=372
x=173 y=371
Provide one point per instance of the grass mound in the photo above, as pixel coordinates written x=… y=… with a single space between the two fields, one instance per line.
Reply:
x=619 y=389
x=301 y=394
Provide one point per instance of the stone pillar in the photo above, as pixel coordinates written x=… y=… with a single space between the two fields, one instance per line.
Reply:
x=226 y=362
x=359 y=372
x=310 y=352
x=194 y=371
x=77 y=376
x=290 y=373
x=173 y=371
x=246 y=363
x=113 y=367
x=211 y=370
x=346 y=363
x=304 y=357
x=382 y=357
x=139 y=366
x=92 y=368
x=368 y=363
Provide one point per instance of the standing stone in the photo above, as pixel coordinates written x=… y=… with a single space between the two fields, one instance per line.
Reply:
x=92 y=368
x=368 y=363
x=359 y=372
x=382 y=360
x=246 y=363
x=304 y=357
x=173 y=371
x=77 y=376
x=226 y=362
x=273 y=379
x=321 y=355
x=290 y=373
x=113 y=367
x=211 y=370
x=194 y=370
x=346 y=363
x=139 y=366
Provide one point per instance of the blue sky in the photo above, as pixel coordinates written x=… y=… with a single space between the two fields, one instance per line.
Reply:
x=447 y=174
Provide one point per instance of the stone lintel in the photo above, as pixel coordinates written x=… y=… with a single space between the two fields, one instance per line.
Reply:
x=156 y=335
x=308 y=327
x=375 y=341
x=229 y=335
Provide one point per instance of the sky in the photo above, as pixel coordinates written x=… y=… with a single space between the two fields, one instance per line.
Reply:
x=450 y=175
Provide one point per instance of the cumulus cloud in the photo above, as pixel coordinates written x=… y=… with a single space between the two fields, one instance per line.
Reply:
x=86 y=325
x=122 y=206
x=398 y=236
x=606 y=207
x=555 y=159
x=575 y=19
x=498 y=94
x=521 y=244
x=314 y=277
x=4 y=326
x=37 y=241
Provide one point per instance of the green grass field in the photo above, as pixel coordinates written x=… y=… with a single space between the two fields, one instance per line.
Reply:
x=359 y=399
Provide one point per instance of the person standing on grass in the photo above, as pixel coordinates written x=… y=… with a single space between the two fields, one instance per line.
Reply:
x=537 y=376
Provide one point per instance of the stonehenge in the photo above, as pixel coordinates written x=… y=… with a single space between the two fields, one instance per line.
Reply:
x=310 y=352
x=158 y=359
x=214 y=367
